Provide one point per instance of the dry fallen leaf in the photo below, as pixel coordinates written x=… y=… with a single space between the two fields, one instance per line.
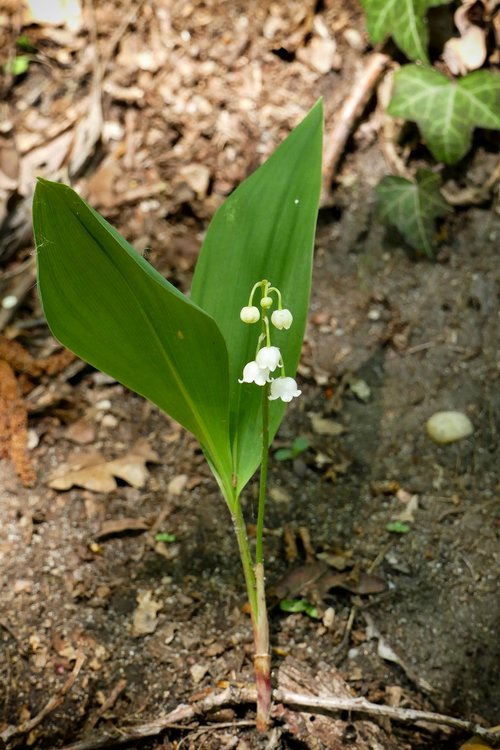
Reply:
x=323 y=426
x=92 y=472
x=56 y=12
x=408 y=514
x=121 y=526
x=145 y=618
x=320 y=54
x=467 y=52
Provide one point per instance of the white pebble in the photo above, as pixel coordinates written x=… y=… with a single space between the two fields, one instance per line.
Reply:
x=448 y=426
x=9 y=302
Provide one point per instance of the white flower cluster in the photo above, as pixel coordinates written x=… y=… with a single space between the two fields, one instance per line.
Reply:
x=268 y=358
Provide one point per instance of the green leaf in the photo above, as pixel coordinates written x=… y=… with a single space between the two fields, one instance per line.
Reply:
x=447 y=111
x=283 y=454
x=299 y=445
x=264 y=230
x=18 y=65
x=398 y=527
x=24 y=43
x=107 y=304
x=164 y=536
x=404 y=20
x=412 y=207
x=299 y=605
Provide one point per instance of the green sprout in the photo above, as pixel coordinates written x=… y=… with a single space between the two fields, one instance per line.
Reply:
x=398 y=527
x=164 y=536
x=300 y=605
x=299 y=445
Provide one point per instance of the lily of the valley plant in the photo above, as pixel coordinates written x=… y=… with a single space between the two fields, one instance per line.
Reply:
x=226 y=382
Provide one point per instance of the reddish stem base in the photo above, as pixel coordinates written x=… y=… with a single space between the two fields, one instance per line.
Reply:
x=262 y=664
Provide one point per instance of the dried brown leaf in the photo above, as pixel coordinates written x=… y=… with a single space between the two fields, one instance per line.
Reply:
x=93 y=472
x=145 y=618
x=122 y=526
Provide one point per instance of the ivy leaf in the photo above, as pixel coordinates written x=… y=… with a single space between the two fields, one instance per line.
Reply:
x=404 y=20
x=446 y=111
x=412 y=207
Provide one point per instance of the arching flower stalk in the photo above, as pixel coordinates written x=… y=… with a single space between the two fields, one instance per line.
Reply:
x=261 y=372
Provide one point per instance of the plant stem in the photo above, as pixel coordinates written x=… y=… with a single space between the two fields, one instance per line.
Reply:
x=246 y=557
x=259 y=549
x=262 y=659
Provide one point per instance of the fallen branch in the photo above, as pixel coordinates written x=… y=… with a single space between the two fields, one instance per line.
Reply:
x=353 y=107
x=184 y=712
x=237 y=695
x=402 y=715
x=53 y=703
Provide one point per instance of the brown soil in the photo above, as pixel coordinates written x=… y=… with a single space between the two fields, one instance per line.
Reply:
x=219 y=93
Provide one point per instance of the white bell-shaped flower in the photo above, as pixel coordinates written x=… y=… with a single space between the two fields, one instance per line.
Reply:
x=269 y=358
x=284 y=388
x=252 y=373
x=250 y=314
x=282 y=319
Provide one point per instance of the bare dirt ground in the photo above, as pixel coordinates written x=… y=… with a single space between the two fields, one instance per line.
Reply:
x=156 y=111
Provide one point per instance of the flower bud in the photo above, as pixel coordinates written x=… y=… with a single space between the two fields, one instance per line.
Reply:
x=266 y=302
x=249 y=314
x=282 y=319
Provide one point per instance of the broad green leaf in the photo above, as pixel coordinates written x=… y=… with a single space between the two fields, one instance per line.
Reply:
x=447 y=111
x=412 y=207
x=108 y=305
x=404 y=20
x=264 y=230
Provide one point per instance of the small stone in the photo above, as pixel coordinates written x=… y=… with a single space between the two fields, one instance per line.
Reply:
x=448 y=426
x=198 y=672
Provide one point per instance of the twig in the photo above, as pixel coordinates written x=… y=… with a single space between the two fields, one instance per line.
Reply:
x=474 y=195
x=403 y=715
x=352 y=109
x=52 y=704
x=233 y=695
x=183 y=712
x=390 y=129
x=108 y=703
x=341 y=650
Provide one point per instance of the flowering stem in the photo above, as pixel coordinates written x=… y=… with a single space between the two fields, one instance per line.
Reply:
x=259 y=550
x=262 y=659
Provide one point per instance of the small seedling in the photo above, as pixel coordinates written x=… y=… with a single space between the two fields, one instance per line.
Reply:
x=187 y=354
x=18 y=65
x=300 y=605
x=299 y=445
x=398 y=527
x=164 y=536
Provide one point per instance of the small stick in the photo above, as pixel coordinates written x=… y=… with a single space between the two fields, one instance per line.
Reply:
x=52 y=704
x=237 y=695
x=183 y=712
x=108 y=703
x=403 y=715
x=352 y=109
